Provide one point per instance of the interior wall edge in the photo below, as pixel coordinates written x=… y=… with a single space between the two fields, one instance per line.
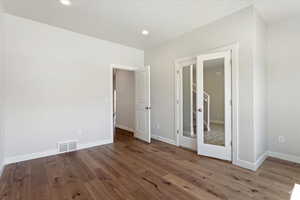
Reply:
x=1 y=169
x=253 y=166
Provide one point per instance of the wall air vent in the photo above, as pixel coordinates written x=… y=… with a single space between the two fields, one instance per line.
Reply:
x=73 y=146
x=62 y=147
x=67 y=146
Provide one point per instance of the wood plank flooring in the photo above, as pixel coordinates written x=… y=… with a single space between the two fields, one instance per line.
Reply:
x=132 y=170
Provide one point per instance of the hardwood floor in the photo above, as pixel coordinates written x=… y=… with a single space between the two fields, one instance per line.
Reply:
x=130 y=169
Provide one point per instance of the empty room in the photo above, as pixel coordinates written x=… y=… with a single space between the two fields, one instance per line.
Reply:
x=158 y=100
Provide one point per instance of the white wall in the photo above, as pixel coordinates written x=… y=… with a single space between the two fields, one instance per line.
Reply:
x=125 y=99
x=260 y=87
x=238 y=27
x=283 y=86
x=2 y=62
x=58 y=86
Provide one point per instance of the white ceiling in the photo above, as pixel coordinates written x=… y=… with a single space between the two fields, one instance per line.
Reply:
x=122 y=21
x=276 y=10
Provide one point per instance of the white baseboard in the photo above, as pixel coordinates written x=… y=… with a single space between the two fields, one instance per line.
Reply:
x=52 y=152
x=250 y=165
x=245 y=164
x=125 y=128
x=94 y=144
x=261 y=160
x=263 y=157
x=162 y=139
x=287 y=157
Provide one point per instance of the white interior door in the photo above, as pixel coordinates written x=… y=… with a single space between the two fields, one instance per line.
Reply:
x=214 y=105
x=142 y=105
x=186 y=104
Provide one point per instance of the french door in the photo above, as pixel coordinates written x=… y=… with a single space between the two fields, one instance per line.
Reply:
x=203 y=104
x=187 y=100
x=214 y=105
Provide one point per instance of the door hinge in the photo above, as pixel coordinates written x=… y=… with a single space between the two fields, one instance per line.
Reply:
x=230 y=102
x=231 y=143
x=177 y=131
x=177 y=71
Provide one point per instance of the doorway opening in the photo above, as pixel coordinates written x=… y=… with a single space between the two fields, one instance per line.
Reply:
x=124 y=103
x=131 y=108
x=205 y=121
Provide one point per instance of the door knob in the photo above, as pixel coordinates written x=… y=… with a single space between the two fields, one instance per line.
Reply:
x=148 y=108
x=200 y=110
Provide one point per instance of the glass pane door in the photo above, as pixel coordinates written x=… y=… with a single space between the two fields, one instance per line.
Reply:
x=189 y=101
x=214 y=105
x=188 y=135
x=213 y=96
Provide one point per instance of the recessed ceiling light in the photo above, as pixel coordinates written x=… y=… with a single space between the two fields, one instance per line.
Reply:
x=145 y=32
x=66 y=2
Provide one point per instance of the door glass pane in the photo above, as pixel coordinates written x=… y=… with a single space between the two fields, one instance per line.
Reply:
x=189 y=101
x=214 y=98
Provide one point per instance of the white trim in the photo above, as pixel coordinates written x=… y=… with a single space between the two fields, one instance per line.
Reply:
x=261 y=160
x=94 y=144
x=245 y=164
x=124 y=67
x=234 y=48
x=111 y=100
x=192 y=99
x=263 y=157
x=287 y=157
x=51 y=152
x=162 y=139
x=125 y=128
x=1 y=169
x=253 y=166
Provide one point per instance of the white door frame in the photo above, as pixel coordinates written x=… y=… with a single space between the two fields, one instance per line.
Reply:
x=234 y=48
x=112 y=67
